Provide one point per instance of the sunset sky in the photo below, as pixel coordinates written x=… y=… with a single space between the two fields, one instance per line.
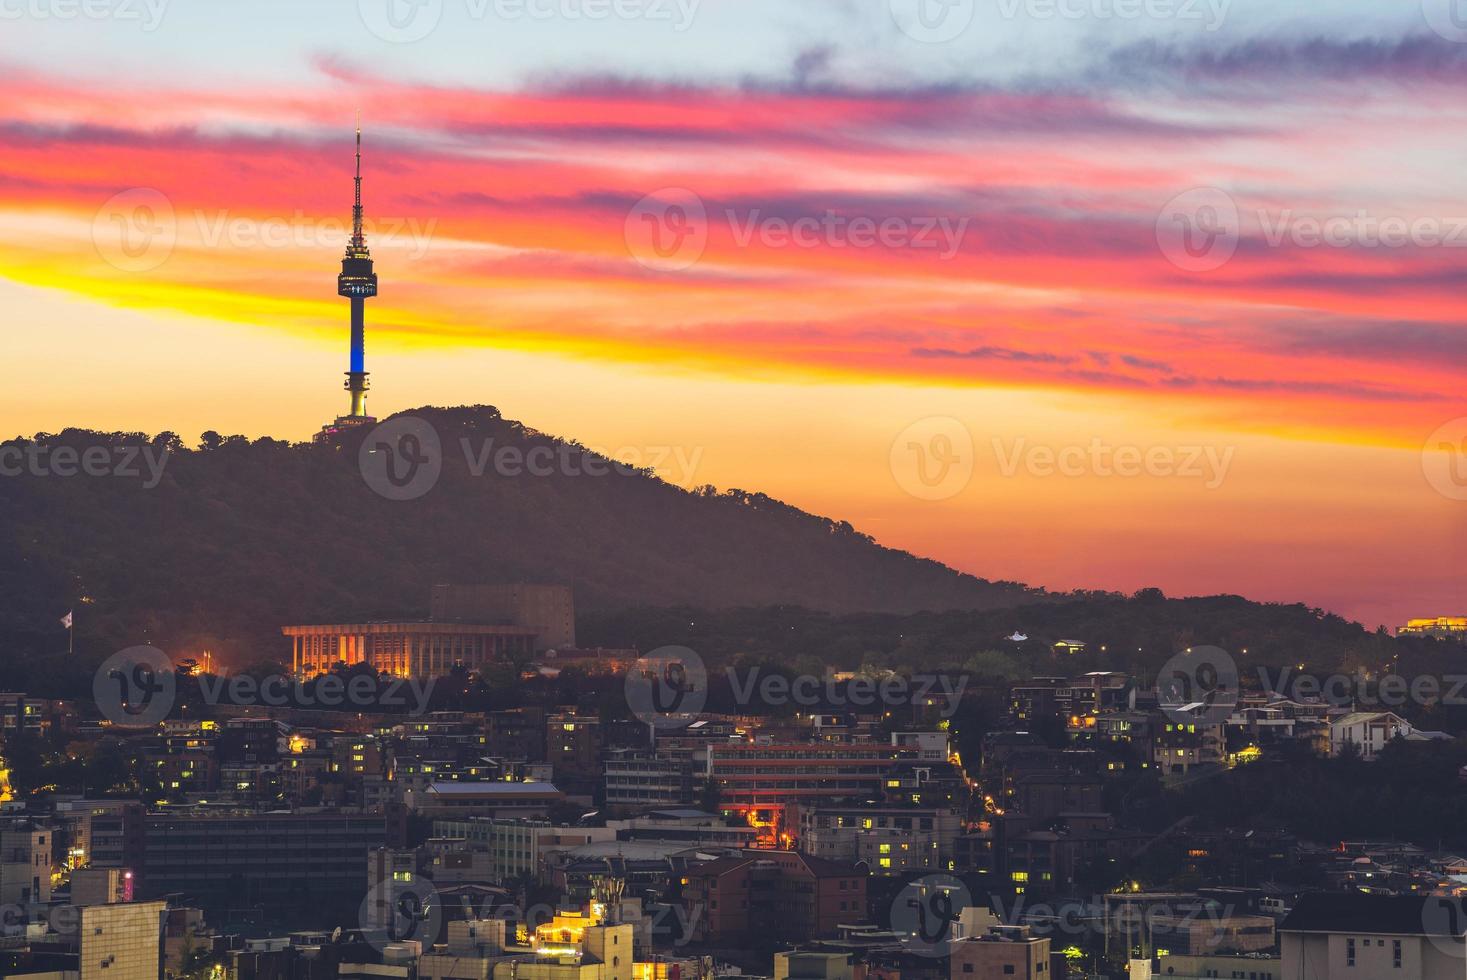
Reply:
x=1233 y=234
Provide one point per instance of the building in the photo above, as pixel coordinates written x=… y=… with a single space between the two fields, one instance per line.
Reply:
x=121 y=942
x=573 y=746
x=518 y=846
x=777 y=893
x=1441 y=627
x=812 y=965
x=547 y=610
x=759 y=779
x=402 y=649
x=25 y=863
x=1180 y=746
x=1371 y=731
x=1004 y=951
x=888 y=840
x=23 y=715
x=280 y=861
x=1251 y=966
x=686 y=825
x=1352 y=934
x=101 y=886
x=531 y=800
x=518 y=733
x=640 y=780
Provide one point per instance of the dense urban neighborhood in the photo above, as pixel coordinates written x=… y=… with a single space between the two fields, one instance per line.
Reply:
x=475 y=796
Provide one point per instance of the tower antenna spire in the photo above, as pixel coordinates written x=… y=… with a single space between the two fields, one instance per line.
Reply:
x=358 y=240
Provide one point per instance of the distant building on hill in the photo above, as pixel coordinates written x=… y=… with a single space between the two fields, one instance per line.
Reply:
x=1442 y=627
x=469 y=626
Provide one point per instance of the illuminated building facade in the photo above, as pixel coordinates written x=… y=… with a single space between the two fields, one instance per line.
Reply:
x=1442 y=627
x=406 y=649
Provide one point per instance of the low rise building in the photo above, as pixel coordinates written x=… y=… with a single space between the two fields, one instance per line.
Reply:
x=1352 y=934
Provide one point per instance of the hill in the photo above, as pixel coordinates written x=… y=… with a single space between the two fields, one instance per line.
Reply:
x=229 y=540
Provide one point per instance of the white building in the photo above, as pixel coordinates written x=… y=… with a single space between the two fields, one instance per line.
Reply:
x=1372 y=731
x=1331 y=935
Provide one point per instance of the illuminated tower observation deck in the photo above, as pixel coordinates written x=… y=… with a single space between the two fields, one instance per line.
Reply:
x=357 y=283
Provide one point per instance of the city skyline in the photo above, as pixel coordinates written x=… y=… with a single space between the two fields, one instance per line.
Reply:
x=1029 y=288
